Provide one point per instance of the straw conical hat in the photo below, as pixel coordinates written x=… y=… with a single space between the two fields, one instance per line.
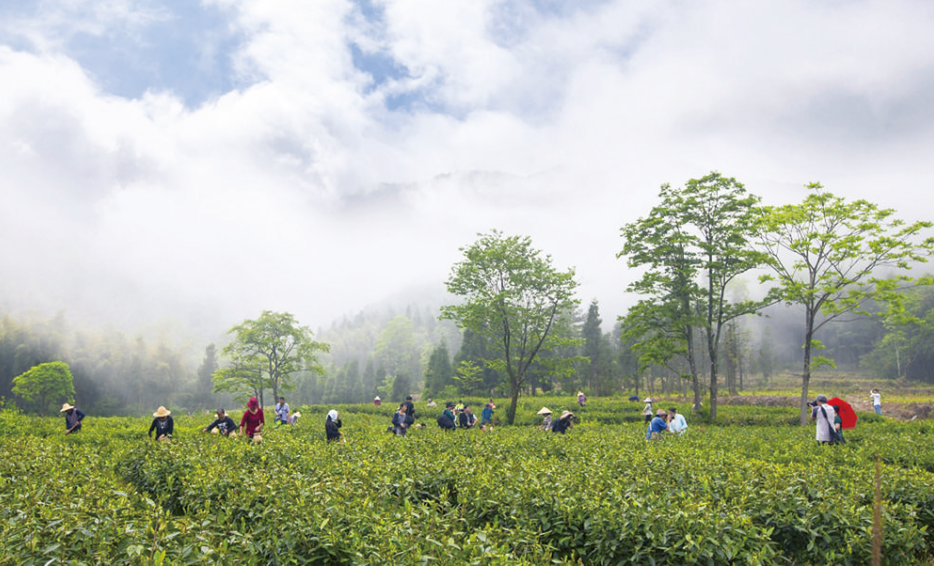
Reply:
x=162 y=412
x=66 y=407
x=544 y=411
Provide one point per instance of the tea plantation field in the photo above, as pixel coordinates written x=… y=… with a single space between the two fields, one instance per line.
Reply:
x=751 y=490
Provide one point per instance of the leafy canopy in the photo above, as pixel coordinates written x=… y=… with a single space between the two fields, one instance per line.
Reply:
x=826 y=254
x=46 y=383
x=266 y=352
x=693 y=245
x=516 y=299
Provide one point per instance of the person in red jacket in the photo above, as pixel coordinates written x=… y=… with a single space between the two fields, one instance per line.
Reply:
x=253 y=420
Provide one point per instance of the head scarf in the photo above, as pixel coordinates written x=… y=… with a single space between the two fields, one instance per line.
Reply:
x=332 y=414
x=253 y=403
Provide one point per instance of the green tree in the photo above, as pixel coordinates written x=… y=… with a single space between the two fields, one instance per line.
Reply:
x=400 y=387
x=46 y=383
x=515 y=298
x=693 y=244
x=266 y=352
x=601 y=370
x=824 y=254
x=438 y=373
x=474 y=349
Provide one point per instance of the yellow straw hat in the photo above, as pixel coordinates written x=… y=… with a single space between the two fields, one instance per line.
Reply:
x=162 y=412
x=544 y=411
x=66 y=407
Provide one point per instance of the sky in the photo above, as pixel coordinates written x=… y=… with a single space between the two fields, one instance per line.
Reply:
x=204 y=161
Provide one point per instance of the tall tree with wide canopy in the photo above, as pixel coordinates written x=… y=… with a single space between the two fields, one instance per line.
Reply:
x=824 y=254
x=514 y=297
x=266 y=352
x=46 y=383
x=694 y=244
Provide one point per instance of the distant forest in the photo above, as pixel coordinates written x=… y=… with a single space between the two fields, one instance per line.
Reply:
x=391 y=353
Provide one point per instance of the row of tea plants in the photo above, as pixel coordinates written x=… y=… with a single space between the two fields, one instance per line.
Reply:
x=599 y=495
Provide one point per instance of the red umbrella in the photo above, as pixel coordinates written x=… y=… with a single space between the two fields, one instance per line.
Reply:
x=847 y=414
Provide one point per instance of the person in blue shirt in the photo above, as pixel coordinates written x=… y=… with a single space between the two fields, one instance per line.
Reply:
x=73 y=418
x=657 y=425
x=224 y=424
x=486 y=416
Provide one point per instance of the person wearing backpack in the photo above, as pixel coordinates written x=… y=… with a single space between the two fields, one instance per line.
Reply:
x=838 y=424
x=446 y=420
x=823 y=414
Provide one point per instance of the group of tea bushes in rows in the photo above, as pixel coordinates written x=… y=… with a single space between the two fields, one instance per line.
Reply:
x=599 y=495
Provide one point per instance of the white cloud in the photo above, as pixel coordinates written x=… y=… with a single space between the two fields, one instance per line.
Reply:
x=303 y=192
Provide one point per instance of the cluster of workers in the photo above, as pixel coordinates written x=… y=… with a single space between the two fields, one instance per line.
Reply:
x=251 y=423
x=455 y=416
x=661 y=420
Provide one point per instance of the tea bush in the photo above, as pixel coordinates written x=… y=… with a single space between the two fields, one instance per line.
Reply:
x=737 y=494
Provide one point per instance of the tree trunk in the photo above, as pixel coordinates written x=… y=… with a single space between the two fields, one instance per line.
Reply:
x=806 y=373
x=513 y=403
x=712 y=352
x=693 y=367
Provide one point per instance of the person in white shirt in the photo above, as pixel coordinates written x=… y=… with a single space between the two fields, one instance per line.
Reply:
x=823 y=414
x=647 y=411
x=676 y=422
x=876 y=401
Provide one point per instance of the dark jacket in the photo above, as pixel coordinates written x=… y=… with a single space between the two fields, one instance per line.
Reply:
x=74 y=420
x=225 y=425
x=466 y=421
x=332 y=429
x=161 y=427
x=561 y=425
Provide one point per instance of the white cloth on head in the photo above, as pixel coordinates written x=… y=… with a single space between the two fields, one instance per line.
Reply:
x=333 y=414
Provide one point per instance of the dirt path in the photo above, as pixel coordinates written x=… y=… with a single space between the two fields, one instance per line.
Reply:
x=899 y=411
